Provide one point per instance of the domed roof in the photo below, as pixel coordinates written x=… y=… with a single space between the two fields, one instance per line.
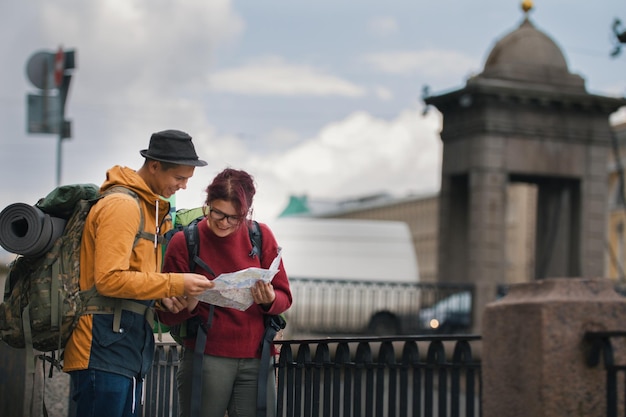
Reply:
x=526 y=46
x=529 y=55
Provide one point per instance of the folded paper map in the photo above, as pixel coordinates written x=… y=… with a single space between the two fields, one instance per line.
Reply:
x=232 y=289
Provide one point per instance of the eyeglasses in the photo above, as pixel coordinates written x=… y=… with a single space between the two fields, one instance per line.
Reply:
x=219 y=216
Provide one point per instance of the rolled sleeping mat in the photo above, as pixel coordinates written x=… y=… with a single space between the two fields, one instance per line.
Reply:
x=26 y=230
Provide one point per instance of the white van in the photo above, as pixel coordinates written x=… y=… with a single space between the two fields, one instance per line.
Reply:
x=371 y=250
x=348 y=276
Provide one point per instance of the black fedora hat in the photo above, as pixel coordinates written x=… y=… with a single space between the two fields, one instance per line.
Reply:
x=172 y=146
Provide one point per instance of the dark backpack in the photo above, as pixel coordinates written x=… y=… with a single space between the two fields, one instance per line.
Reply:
x=42 y=299
x=195 y=328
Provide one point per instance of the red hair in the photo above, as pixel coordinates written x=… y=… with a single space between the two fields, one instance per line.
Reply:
x=235 y=186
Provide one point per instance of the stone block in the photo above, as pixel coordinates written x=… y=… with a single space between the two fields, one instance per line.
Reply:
x=534 y=361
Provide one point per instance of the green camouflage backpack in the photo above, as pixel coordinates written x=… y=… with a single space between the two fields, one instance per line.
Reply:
x=43 y=300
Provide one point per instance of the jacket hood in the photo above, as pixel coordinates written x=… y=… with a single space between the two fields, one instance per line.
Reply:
x=127 y=177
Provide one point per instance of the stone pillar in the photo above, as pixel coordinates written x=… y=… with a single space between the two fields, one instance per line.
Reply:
x=453 y=230
x=534 y=357
x=594 y=210
x=487 y=237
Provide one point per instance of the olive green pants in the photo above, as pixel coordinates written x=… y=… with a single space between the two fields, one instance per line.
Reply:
x=227 y=385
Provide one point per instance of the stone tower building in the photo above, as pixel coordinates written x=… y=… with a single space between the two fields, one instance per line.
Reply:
x=527 y=119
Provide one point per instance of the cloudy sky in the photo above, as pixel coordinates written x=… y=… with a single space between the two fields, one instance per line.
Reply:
x=312 y=97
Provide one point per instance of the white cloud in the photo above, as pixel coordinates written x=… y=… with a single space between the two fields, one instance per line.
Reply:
x=429 y=63
x=355 y=156
x=281 y=138
x=619 y=116
x=358 y=155
x=274 y=76
x=383 y=26
x=135 y=52
x=382 y=93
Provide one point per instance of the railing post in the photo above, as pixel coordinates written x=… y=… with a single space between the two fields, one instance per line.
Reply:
x=410 y=376
x=602 y=347
x=363 y=380
x=386 y=384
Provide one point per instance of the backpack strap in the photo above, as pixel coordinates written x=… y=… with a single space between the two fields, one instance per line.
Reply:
x=198 y=357
x=141 y=233
x=100 y=304
x=273 y=324
x=192 y=237
x=256 y=238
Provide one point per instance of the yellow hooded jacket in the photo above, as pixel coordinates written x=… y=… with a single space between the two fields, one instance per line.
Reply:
x=117 y=269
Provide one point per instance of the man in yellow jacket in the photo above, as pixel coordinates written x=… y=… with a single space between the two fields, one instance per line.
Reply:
x=108 y=356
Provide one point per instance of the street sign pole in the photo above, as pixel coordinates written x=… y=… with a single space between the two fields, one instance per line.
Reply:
x=59 y=68
x=59 y=157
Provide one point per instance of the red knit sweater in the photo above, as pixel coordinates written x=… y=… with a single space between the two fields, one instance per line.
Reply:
x=234 y=333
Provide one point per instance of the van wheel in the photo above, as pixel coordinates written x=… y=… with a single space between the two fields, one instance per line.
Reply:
x=384 y=323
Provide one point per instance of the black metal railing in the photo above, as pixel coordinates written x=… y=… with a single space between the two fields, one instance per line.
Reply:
x=161 y=394
x=602 y=345
x=418 y=376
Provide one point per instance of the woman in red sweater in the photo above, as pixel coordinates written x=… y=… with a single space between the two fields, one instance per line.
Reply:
x=232 y=351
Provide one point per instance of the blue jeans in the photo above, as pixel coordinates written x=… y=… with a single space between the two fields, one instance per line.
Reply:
x=104 y=394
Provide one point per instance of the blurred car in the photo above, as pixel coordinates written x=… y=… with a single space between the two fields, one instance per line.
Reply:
x=452 y=314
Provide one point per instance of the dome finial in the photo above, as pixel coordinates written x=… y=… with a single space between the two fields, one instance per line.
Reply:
x=527 y=5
